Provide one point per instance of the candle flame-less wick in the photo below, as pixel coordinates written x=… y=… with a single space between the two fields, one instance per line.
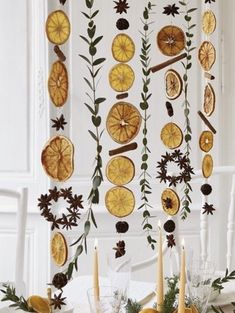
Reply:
x=159 y=224
x=183 y=243
x=96 y=243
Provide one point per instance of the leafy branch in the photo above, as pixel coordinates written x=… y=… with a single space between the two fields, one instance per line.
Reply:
x=144 y=105
x=18 y=302
x=220 y=310
x=133 y=306
x=186 y=200
x=171 y=294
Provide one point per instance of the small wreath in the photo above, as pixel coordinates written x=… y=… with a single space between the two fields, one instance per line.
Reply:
x=66 y=221
x=182 y=161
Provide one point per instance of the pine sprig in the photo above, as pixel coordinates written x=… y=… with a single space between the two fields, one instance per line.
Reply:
x=18 y=302
x=133 y=306
x=144 y=105
x=186 y=200
x=171 y=294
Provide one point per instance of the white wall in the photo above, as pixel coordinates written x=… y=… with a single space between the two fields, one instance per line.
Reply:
x=26 y=112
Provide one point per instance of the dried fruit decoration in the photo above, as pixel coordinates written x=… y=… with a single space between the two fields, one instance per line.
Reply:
x=120 y=249
x=208 y=209
x=59 y=280
x=121 y=6
x=57 y=301
x=59 y=123
x=171 y=10
x=122 y=24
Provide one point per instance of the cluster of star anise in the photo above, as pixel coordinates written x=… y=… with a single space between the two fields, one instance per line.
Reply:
x=182 y=161
x=68 y=220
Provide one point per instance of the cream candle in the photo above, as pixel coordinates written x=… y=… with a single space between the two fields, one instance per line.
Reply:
x=181 y=306
x=160 y=287
x=96 y=272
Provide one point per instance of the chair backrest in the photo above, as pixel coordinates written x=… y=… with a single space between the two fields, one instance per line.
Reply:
x=21 y=197
x=204 y=229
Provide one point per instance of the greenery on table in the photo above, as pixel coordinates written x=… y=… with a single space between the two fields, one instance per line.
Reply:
x=133 y=306
x=18 y=302
x=186 y=200
x=144 y=105
x=171 y=294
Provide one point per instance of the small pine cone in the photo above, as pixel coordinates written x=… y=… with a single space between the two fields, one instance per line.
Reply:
x=206 y=189
x=122 y=227
x=122 y=24
x=59 y=280
x=169 y=226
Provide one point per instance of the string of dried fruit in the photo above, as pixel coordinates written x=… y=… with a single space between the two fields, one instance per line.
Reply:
x=207 y=56
x=187 y=188
x=144 y=105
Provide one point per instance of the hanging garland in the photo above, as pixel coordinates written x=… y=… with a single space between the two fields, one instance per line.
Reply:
x=144 y=105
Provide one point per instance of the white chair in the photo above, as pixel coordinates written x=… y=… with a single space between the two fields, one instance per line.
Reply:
x=204 y=229
x=21 y=197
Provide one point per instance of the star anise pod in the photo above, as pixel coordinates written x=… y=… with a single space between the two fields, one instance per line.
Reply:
x=67 y=223
x=120 y=249
x=54 y=194
x=167 y=157
x=59 y=123
x=177 y=154
x=208 y=209
x=73 y=214
x=76 y=202
x=162 y=176
x=168 y=203
x=209 y=1
x=171 y=10
x=55 y=221
x=44 y=201
x=121 y=6
x=58 y=301
x=161 y=164
x=170 y=241
x=174 y=181
x=66 y=192
x=182 y=162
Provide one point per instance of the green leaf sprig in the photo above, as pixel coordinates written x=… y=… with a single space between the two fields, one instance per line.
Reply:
x=171 y=294
x=133 y=306
x=19 y=302
x=144 y=105
x=187 y=188
x=219 y=282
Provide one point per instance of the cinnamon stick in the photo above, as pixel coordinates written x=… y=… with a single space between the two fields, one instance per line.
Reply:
x=205 y=120
x=209 y=76
x=122 y=96
x=167 y=63
x=130 y=146
x=59 y=53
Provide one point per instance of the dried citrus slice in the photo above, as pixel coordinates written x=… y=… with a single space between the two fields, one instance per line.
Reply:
x=206 y=141
x=57 y=158
x=121 y=77
x=120 y=170
x=123 y=122
x=187 y=310
x=208 y=22
x=170 y=201
x=173 y=84
x=58 y=84
x=39 y=304
x=58 y=27
x=209 y=100
x=206 y=55
x=59 y=249
x=123 y=48
x=171 y=136
x=120 y=201
x=207 y=165
x=171 y=40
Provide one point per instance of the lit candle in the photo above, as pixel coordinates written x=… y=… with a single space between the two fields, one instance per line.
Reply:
x=96 y=272
x=181 y=306
x=160 y=288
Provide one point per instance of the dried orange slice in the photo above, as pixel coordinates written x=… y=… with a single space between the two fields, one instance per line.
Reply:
x=206 y=55
x=187 y=310
x=39 y=304
x=58 y=84
x=171 y=40
x=206 y=141
x=208 y=22
x=58 y=27
x=123 y=122
x=59 y=249
x=171 y=136
x=174 y=84
x=170 y=201
x=120 y=170
x=121 y=77
x=207 y=165
x=120 y=201
x=123 y=48
x=57 y=158
x=209 y=100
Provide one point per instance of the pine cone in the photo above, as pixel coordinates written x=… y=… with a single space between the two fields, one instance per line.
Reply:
x=206 y=189
x=59 y=280
x=122 y=24
x=169 y=226
x=122 y=227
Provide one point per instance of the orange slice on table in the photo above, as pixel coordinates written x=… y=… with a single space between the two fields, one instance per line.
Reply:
x=206 y=55
x=121 y=77
x=209 y=100
x=38 y=304
x=208 y=22
x=174 y=84
x=171 y=40
x=120 y=201
x=170 y=201
x=123 y=48
x=171 y=136
x=57 y=158
x=120 y=170
x=59 y=249
x=58 y=84
x=206 y=140
x=58 y=27
x=207 y=165
x=123 y=122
